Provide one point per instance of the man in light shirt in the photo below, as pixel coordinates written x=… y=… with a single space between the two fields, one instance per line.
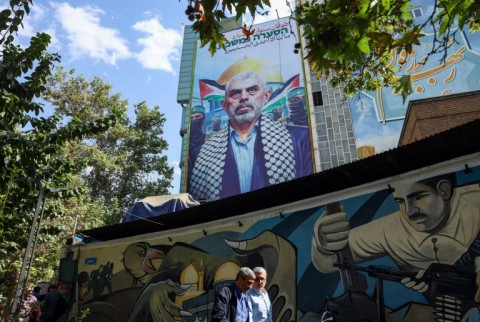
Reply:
x=261 y=305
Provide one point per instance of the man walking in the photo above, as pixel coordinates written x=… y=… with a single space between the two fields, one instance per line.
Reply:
x=261 y=305
x=232 y=303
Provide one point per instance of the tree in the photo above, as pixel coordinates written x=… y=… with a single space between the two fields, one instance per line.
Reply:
x=349 y=41
x=30 y=142
x=112 y=167
x=123 y=163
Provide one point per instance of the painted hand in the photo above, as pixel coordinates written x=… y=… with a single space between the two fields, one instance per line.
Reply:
x=161 y=307
x=331 y=232
x=416 y=284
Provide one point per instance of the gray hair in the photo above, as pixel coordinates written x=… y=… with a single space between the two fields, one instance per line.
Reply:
x=260 y=270
x=247 y=75
x=244 y=272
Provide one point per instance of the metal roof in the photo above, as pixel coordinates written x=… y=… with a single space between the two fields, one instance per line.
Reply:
x=456 y=142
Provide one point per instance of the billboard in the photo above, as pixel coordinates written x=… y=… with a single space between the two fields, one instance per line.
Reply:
x=249 y=120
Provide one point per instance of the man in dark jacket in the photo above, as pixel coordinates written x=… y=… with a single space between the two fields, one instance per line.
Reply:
x=232 y=303
x=54 y=305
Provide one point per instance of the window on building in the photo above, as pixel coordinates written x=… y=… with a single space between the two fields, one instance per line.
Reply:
x=416 y=12
x=317 y=98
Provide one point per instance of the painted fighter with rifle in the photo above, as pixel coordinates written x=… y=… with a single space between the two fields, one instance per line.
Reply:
x=432 y=239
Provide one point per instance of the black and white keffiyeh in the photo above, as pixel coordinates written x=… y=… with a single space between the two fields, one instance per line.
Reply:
x=277 y=144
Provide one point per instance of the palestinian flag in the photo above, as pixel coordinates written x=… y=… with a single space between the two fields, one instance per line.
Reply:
x=210 y=90
x=280 y=95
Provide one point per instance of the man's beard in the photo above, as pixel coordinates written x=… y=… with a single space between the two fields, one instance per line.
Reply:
x=247 y=117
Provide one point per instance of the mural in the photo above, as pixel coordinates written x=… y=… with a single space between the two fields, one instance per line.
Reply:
x=407 y=253
x=249 y=121
x=378 y=116
x=167 y=283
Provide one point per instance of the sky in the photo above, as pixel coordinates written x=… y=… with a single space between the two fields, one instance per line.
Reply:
x=133 y=45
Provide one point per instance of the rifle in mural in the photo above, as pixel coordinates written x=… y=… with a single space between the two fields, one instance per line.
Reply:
x=442 y=279
x=352 y=281
x=354 y=304
x=450 y=289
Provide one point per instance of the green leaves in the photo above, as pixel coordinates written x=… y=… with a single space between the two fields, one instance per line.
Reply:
x=357 y=54
x=403 y=86
x=363 y=45
x=11 y=19
x=386 y=4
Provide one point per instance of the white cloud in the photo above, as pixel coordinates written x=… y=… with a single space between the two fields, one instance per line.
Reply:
x=87 y=37
x=161 y=46
x=176 y=167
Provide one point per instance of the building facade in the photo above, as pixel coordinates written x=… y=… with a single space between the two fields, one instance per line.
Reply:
x=345 y=129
